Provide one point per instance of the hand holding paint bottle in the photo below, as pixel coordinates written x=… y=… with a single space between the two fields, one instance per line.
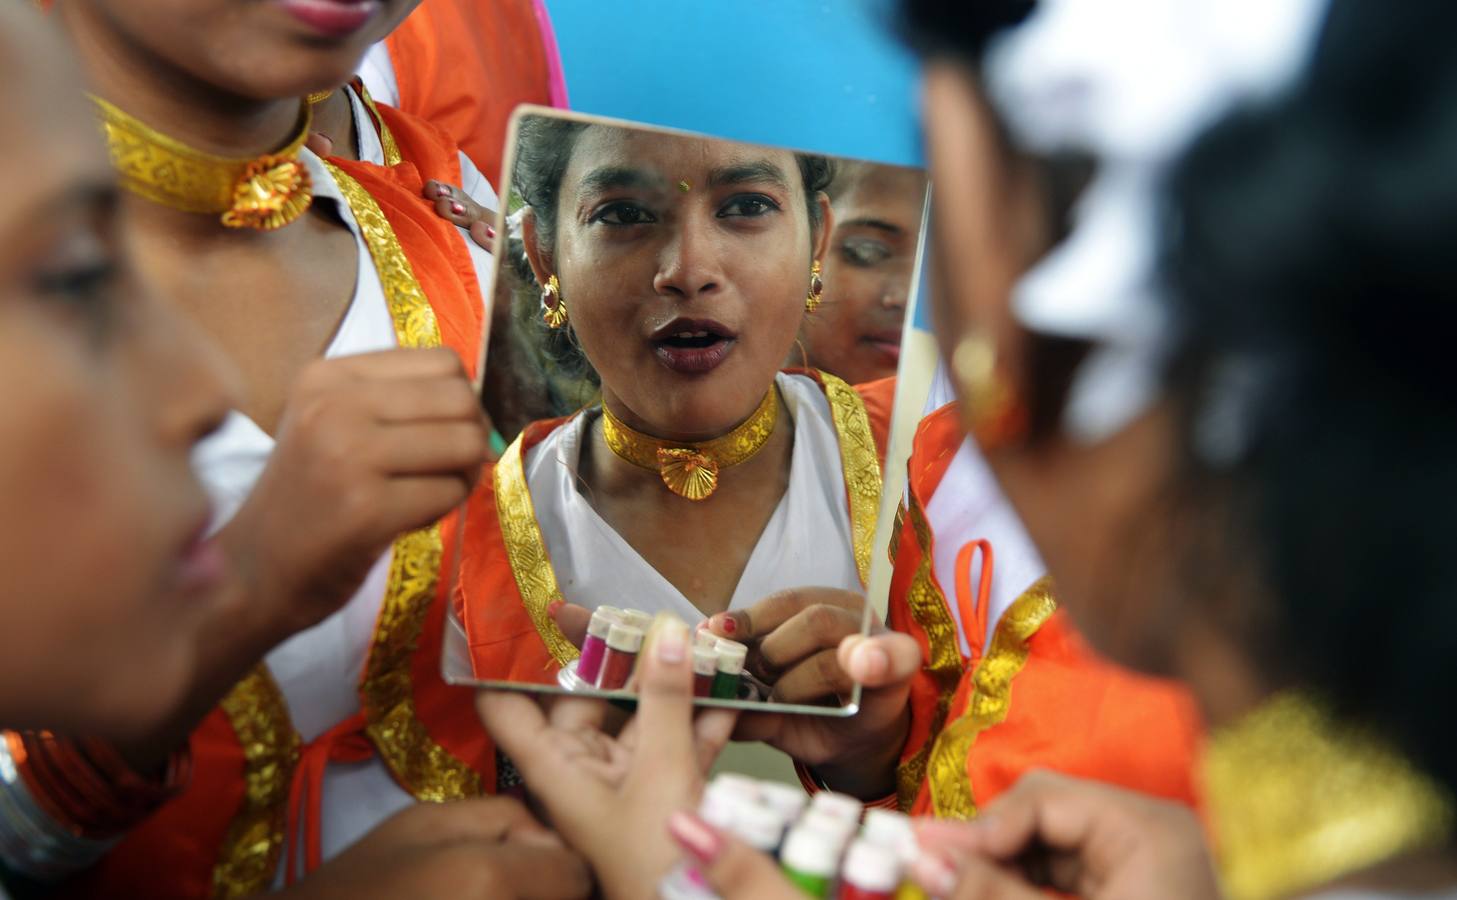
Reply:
x=610 y=797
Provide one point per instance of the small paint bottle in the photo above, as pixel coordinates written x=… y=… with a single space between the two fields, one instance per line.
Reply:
x=789 y=801
x=841 y=829
x=841 y=806
x=893 y=831
x=595 y=645
x=705 y=665
x=731 y=656
x=810 y=858
x=623 y=643
x=760 y=827
x=871 y=872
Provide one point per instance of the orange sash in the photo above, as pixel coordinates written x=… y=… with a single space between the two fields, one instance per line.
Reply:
x=1047 y=700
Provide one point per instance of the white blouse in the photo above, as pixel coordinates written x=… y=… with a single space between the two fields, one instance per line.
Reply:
x=808 y=540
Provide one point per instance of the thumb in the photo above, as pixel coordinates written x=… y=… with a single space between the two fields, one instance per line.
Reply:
x=572 y=620
x=734 y=870
x=880 y=660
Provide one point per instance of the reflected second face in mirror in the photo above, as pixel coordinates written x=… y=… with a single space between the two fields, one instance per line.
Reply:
x=684 y=263
x=856 y=333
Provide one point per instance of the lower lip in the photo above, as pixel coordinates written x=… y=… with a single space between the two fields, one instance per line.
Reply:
x=694 y=360
x=201 y=568
x=332 y=18
x=891 y=350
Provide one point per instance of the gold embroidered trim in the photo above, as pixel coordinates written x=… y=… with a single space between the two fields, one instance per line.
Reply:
x=248 y=858
x=414 y=318
x=861 y=463
x=426 y=769
x=526 y=552
x=928 y=607
x=386 y=137
x=991 y=697
x=1297 y=800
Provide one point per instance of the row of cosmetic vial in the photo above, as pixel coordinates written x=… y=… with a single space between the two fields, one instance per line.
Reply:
x=819 y=842
x=609 y=653
x=718 y=664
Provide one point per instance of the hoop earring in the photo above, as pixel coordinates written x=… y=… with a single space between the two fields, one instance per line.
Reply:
x=814 y=298
x=991 y=409
x=553 y=307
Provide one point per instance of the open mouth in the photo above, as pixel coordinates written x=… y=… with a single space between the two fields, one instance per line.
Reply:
x=693 y=346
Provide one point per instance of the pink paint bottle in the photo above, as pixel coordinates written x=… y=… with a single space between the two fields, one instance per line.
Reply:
x=623 y=644
x=595 y=645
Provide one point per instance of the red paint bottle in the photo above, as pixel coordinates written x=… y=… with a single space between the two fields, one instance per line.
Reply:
x=870 y=872
x=705 y=664
x=623 y=644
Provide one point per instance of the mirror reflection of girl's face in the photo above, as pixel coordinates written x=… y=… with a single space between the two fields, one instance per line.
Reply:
x=106 y=578
x=684 y=263
x=263 y=49
x=856 y=333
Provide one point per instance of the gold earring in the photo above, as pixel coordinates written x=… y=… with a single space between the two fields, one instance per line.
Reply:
x=991 y=409
x=553 y=307
x=816 y=289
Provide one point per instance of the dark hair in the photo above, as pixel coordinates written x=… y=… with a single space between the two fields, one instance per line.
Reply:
x=1314 y=275
x=543 y=151
x=959 y=29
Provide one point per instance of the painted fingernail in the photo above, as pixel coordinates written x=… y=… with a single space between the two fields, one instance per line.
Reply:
x=490 y=232
x=933 y=875
x=555 y=607
x=457 y=208
x=672 y=639
x=726 y=623
x=442 y=190
x=695 y=836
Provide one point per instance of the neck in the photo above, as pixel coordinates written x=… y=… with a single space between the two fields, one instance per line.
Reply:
x=173 y=101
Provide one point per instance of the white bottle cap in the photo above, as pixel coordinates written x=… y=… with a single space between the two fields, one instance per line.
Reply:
x=842 y=830
x=787 y=800
x=731 y=656
x=758 y=826
x=705 y=660
x=811 y=852
x=636 y=618
x=743 y=784
x=872 y=867
x=891 y=830
x=841 y=806
x=705 y=638
x=625 y=638
x=603 y=618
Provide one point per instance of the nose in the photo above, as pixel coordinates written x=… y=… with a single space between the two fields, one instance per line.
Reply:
x=689 y=263
x=194 y=383
x=895 y=291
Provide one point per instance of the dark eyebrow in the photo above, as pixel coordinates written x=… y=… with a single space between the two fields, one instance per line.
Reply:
x=759 y=170
x=877 y=224
x=609 y=177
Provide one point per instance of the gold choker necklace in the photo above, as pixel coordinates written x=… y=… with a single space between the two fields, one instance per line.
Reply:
x=1298 y=800
x=263 y=193
x=691 y=470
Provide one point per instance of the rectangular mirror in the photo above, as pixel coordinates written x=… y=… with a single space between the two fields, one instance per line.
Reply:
x=693 y=362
